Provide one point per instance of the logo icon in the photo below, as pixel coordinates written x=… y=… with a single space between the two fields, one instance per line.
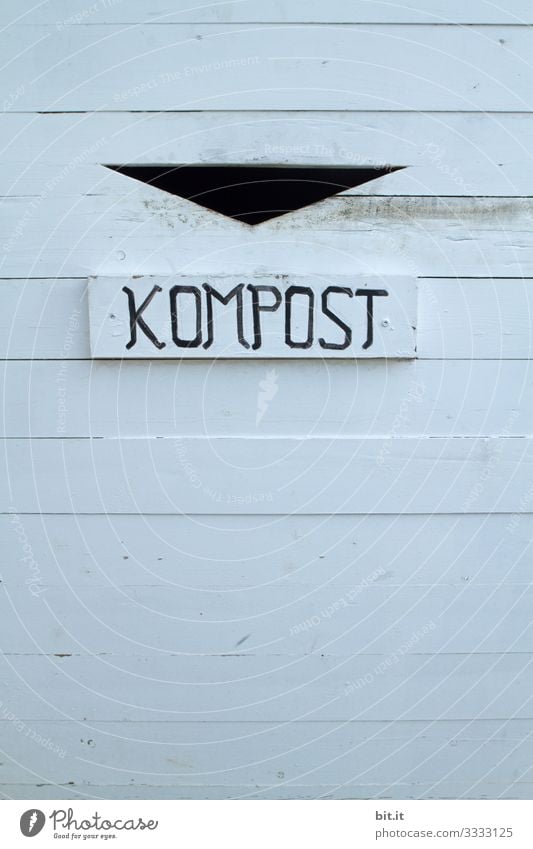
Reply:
x=32 y=822
x=268 y=390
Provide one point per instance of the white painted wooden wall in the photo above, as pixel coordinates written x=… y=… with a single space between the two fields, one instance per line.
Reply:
x=268 y=579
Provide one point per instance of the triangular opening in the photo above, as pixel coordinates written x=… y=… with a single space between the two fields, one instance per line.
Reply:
x=253 y=193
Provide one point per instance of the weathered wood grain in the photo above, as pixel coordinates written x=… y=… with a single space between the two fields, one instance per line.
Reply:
x=74 y=398
x=270 y=66
x=145 y=231
x=237 y=553
x=448 y=154
x=374 y=757
x=265 y=475
x=458 y=319
x=382 y=620
x=328 y=594
x=365 y=688
x=492 y=788
x=54 y=14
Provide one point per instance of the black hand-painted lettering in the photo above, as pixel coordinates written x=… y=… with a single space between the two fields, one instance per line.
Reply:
x=335 y=319
x=224 y=299
x=370 y=294
x=174 y=293
x=258 y=308
x=137 y=319
x=299 y=290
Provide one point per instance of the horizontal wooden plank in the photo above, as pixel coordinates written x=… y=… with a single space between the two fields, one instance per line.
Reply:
x=235 y=553
x=151 y=232
x=476 y=756
x=44 y=319
x=216 y=66
x=266 y=475
x=280 y=621
x=263 y=689
x=53 y=12
x=431 y=398
x=443 y=153
x=458 y=319
x=491 y=788
x=475 y=318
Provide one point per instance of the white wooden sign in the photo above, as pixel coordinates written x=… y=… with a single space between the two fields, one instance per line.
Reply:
x=260 y=316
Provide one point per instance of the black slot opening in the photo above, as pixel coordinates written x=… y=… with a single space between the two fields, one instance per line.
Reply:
x=253 y=193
